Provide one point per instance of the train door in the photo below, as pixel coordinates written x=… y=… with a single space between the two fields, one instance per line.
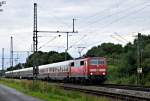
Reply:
x=71 y=65
x=82 y=68
x=86 y=67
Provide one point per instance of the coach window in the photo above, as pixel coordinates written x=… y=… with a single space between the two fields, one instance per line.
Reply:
x=59 y=69
x=81 y=63
x=77 y=64
x=66 y=68
x=72 y=64
x=100 y=62
x=63 y=68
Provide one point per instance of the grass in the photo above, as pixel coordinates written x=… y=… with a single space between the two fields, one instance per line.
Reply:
x=47 y=92
x=113 y=77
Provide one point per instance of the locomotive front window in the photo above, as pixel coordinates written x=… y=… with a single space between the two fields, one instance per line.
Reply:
x=100 y=62
x=96 y=62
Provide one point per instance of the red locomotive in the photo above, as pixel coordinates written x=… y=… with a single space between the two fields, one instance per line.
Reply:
x=88 y=69
x=91 y=69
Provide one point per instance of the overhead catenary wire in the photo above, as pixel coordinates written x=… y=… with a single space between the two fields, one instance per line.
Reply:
x=78 y=41
x=118 y=12
x=103 y=11
x=127 y=15
x=121 y=37
x=89 y=45
x=47 y=42
x=117 y=39
x=57 y=46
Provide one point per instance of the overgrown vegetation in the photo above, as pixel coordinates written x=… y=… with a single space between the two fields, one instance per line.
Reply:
x=47 y=92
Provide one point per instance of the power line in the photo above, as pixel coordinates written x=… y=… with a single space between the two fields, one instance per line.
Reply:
x=46 y=36
x=57 y=46
x=98 y=13
x=117 y=39
x=122 y=18
x=131 y=13
x=78 y=41
x=121 y=37
x=122 y=11
x=47 y=42
x=127 y=15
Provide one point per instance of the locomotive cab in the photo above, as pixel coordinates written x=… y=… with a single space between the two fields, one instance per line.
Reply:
x=97 y=68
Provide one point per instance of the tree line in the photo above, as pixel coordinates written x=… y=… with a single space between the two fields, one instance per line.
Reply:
x=42 y=59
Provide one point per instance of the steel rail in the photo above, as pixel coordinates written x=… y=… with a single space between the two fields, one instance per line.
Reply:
x=127 y=96
x=128 y=87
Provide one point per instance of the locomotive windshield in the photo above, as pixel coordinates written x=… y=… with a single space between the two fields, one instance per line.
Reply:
x=96 y=61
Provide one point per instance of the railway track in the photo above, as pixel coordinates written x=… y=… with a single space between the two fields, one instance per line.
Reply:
x=128 y=87
x=123 y=92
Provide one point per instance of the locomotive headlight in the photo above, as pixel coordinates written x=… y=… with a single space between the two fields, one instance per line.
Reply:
x=104 y=73
x=91 y=73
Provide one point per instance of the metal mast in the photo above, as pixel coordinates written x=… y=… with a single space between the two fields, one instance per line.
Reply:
x=2 y=61
x=11 y=52
x=73 y=24
x=139 y=59
x=35 y=42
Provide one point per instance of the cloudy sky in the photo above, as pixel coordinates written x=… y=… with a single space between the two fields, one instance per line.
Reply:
x=97 y=21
